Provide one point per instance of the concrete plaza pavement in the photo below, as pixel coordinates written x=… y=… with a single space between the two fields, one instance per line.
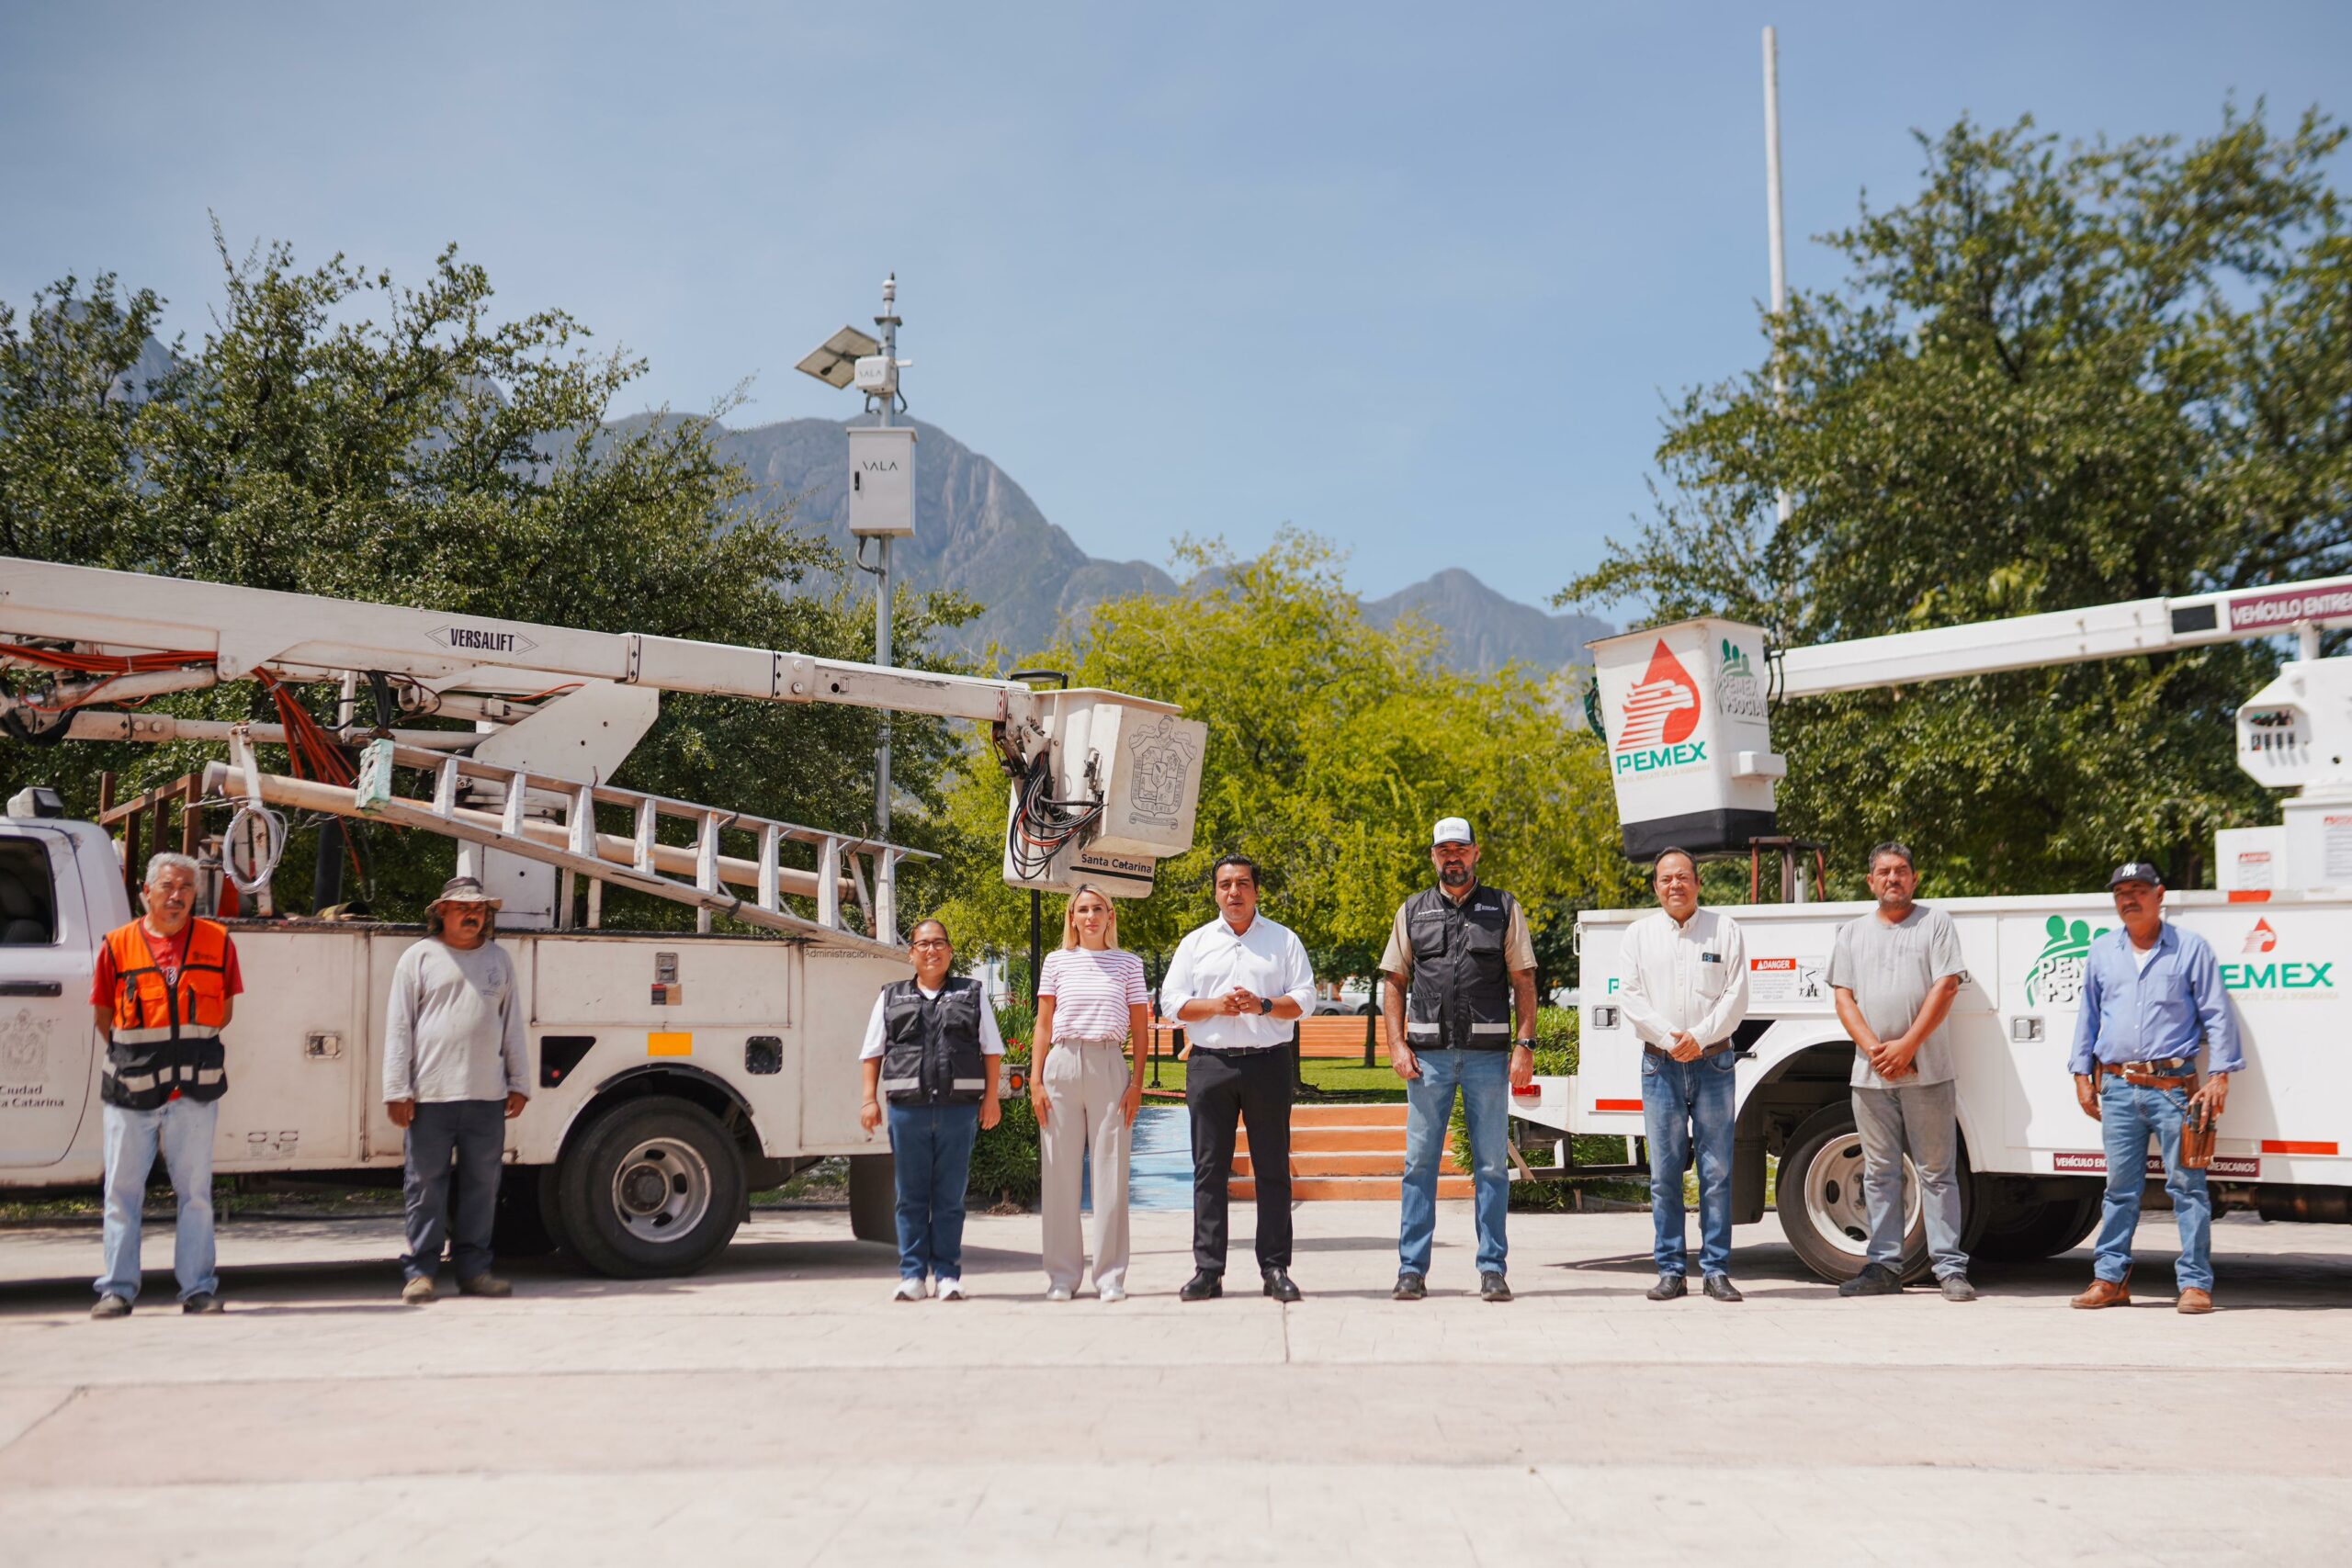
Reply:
x=776 y=1409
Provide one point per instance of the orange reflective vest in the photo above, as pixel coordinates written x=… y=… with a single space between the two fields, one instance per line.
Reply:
x=166 y=1034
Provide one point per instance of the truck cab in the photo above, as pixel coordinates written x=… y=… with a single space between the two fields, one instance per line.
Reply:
x=53 y=914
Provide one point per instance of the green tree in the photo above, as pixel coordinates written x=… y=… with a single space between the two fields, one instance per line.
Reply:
x=2056 y=376
x=335 y=433
x=1333 y=745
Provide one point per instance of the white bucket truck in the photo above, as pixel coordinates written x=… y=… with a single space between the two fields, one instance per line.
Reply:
x=1685 y=712
x=673 y=1072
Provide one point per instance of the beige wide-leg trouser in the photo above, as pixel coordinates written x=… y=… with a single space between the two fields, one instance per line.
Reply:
x=1085 y=1081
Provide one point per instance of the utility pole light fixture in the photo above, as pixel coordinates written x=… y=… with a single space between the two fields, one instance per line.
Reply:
x=881 y=480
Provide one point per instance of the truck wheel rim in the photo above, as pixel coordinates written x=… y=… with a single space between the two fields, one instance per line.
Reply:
x=661 y=1189
x=1835 y=1203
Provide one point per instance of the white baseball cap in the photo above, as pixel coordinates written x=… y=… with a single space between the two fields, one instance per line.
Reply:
x=1453 y=830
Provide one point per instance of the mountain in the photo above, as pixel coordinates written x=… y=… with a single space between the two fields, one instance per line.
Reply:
x=978 y=531
x=1483 y=630
x=975 y=530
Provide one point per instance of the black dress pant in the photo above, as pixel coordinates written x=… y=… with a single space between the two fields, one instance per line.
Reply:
x=1253 y=1086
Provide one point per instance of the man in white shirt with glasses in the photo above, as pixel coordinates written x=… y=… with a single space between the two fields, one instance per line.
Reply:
x=1684 y=990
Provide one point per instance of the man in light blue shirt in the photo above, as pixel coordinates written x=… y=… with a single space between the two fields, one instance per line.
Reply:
x=2152 y=994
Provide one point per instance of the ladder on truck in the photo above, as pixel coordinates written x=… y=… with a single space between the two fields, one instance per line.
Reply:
x=696 y=875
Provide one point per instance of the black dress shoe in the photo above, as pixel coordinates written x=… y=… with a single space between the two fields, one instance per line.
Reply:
x=1410 y=1287
x=1720 y=1288
x=1201 y=1286
x=1278 y=1285
x=1669 y=1287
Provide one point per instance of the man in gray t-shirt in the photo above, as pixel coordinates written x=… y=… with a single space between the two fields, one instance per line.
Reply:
x=454 y=1073
x=1894 y=972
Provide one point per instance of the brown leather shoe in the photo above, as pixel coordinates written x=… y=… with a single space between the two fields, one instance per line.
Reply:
x=2194 y=1301
x=2105 y=1293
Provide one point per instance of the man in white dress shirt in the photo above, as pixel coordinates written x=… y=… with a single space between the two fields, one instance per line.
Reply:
x=1237 y=984
x=1684 y=990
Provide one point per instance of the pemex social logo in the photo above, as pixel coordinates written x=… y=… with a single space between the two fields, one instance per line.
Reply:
x=1737 y=695
x=1659 y=714
x=2262 y=938
x=2056 y=977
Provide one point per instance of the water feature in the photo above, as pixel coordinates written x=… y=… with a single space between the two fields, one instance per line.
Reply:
x=1160 y=1167
x=1160 y=1162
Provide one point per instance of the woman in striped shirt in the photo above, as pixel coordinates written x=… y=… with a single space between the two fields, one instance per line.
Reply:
x=1091 y=1001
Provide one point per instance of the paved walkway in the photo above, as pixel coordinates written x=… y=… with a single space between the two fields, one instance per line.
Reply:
x=777 y=1410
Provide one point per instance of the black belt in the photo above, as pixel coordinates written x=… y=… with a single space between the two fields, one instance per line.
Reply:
x=1717 y=1049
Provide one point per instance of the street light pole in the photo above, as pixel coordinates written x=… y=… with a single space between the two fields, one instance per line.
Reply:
x=1779 y=234
x=889 y=321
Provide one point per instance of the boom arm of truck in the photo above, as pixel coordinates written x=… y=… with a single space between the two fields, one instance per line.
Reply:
x=1686 y=708
x=2066 y=637
x=108 y=637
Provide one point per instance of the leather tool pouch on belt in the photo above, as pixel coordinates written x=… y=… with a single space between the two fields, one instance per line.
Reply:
x=2197 y=1130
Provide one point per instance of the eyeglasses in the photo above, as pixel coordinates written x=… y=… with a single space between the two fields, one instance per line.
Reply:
x=929 y=941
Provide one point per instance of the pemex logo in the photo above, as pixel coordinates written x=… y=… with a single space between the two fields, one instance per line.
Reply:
x=2295 y=979
x=1660 y=713
x=2056 y=977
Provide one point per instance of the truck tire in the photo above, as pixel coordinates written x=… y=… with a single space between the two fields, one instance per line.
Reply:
x=873 y=1198
x=1821 y=1204
x=652 y=1188
x=2028 y=1232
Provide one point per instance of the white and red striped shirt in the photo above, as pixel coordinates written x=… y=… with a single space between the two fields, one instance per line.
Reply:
x=1093 y=992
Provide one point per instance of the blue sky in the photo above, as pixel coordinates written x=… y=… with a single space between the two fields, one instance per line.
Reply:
x=1416 y=277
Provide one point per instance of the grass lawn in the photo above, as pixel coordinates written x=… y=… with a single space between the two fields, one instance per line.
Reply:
x=1336 y=1078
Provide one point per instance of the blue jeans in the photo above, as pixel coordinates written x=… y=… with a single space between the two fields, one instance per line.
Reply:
x=183 y=1129
x=2127 y=1116
x=1484 y=1079
x=931 y=1152
x=475 y=1132
x=1681 y=1099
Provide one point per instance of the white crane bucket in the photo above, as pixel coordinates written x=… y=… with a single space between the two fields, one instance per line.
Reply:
x=1683 y=712
x=1139 y=762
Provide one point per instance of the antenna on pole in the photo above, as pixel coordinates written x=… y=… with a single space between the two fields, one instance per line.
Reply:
x=1778 y=233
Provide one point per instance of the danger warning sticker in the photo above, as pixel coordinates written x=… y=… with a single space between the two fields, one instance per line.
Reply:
x=1785 y=982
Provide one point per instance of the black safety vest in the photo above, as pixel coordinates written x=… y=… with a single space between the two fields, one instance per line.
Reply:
x=930 y=1051
x=1459 y=995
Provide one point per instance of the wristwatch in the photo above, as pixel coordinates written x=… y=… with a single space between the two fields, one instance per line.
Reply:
x=1265 y=1004
x=1523 y=1044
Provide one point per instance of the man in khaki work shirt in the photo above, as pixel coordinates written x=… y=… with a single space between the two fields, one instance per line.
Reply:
x=1684 y=989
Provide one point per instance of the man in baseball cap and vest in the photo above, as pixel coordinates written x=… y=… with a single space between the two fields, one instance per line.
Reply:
x=1458 y=962
x=164 y=990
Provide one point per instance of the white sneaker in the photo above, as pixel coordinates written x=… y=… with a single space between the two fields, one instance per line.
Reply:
x=910 y=1291
x=1058 y=1293
x=1111 y=1292
x=951 y=1290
